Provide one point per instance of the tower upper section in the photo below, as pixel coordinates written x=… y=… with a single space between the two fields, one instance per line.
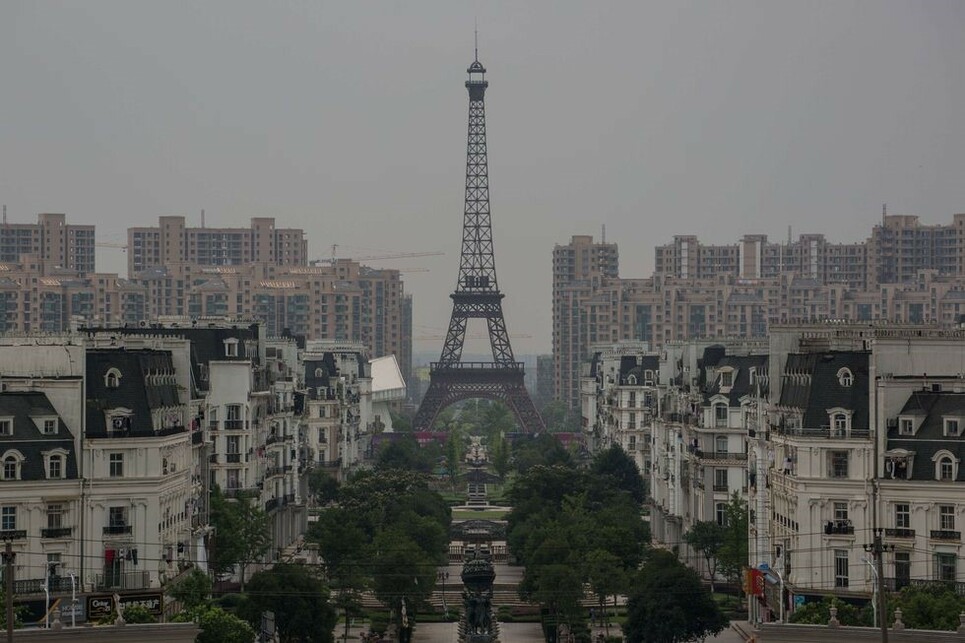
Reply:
x=477 y=82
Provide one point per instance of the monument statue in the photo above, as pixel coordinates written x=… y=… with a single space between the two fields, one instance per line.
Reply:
x=477 y=624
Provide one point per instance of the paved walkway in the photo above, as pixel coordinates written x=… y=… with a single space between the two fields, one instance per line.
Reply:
x=448 y=633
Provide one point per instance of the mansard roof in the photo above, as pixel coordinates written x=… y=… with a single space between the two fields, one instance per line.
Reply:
x=741 y=385
x=29 y=440
x=930 y=437
x=812 y=383
x=146 y=382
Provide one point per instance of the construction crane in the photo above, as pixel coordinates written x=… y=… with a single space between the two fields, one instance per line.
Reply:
x=395 y=255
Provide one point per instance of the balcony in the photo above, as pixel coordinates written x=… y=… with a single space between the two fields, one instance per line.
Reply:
x=36 y=585
x=232 y=458
x=945 y=534
x=56 y=532
x=839 y=528
x=900 y=532
x=13 y=534
x=238 y=492
x=233 y=425
x=117 y=530
x=720 y=488
x=895 y=584
x=197 y=437
x=720 y=455
x=123 y=580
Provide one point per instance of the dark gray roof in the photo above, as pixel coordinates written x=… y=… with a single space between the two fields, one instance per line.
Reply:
x=930 y=438
x=207 y=345
x=637 y=366
x=810 y=383
x=741 y=385
x=29 y=440
x=147 y=382
x=327 y=364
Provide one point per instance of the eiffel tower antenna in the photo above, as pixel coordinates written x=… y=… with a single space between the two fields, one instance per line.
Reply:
x=475 y=33
x=477 y=295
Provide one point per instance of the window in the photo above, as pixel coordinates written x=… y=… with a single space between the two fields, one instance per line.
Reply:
x=231 y=347
x=902 y=569
x=840 y=511
x=234 y=478
x=906 y=426
x=720 y=513
x=946 y=470
x=55 y=516
x=6 y=426
x=632 y=399
x=113 y=378
x=720 y=479
x=840 y=422
x=55 y=467
x=8 y=518
x=945 y=566
x=946 y=517
x=116 y=465
x=50 y=427
x=11 y=467
x=720 y=414
x=726 y=379
x=952 y=427
x=840 y=567
x=318 y=372
x=720 y=444
x=632 y=446
x=903 y=516
x=838 y=465
x=845 y=377
x=117 y=516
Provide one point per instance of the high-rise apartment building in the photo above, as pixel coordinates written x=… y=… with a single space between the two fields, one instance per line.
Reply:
x=49 y=244
x=580 y=268
x=172 y=242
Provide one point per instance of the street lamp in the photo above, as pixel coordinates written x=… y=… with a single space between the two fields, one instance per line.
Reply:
x=443 y=575
x=780 y=578
x=874 y=592
x=73 y=600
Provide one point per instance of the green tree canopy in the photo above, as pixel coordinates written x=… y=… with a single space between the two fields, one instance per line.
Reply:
x=617 y=464
x=242 y=533
x=192 y=590
x=297 y=597
x=732 y=556
x=667 y=603
x=217 y=625
x=930 y=607
x=706 y=538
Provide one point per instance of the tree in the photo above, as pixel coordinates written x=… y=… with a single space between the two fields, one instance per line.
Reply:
x=499 y=458
x=403 y=453
x=453 y=455
x=930 y=607
x=819 y=613
x=299 y=600
x=192 y=590
x=732 y=556
x=668 y=603
x=607 y=577
x=322 y=486
x=217 y=625
x=616 y=463
x=242 y=533
x=707 y=537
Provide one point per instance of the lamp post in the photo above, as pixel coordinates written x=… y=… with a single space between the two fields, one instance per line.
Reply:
x=874 y=593
x=780 y=578
x=73 y=600
x=878 y=550
x=443 y=575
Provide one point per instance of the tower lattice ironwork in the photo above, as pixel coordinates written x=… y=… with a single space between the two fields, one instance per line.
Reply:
x=477 y=296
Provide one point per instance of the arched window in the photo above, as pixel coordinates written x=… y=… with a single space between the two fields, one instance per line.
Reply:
x=318 y=372
x=11 y=465
x=946 y=466
x=632 y=380
x=55 y=467
x=112 y=379
x=845 y=377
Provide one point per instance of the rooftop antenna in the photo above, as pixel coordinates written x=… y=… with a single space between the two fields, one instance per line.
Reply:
x=603 y=233
x=202 y=217
x=475 y=32
x=884 y=212
x=4 y=215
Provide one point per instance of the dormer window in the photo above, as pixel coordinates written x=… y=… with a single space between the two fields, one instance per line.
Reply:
x=113 y=378
x=726 y=378
x=946 y=466
x=6 y=426
x=845 y=377
x=906 y=426
x=11 y=465
x=48 y=426
x=631 y=380
x=55 y=465
x=318 y=372
x=648 y=378
x=231 y=347
x=953 y=427
x=840 y=421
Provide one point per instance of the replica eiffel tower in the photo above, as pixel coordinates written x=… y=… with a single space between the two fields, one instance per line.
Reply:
x=477 y=296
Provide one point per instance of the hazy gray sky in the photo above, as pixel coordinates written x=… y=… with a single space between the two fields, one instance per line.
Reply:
x=349 y=119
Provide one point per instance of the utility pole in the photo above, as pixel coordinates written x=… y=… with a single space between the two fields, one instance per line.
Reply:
x=8 y=557
x=876 y=549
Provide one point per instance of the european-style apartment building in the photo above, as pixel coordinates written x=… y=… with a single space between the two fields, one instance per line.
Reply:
x=905 y=272
x=828 y=431
x=111 y=440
